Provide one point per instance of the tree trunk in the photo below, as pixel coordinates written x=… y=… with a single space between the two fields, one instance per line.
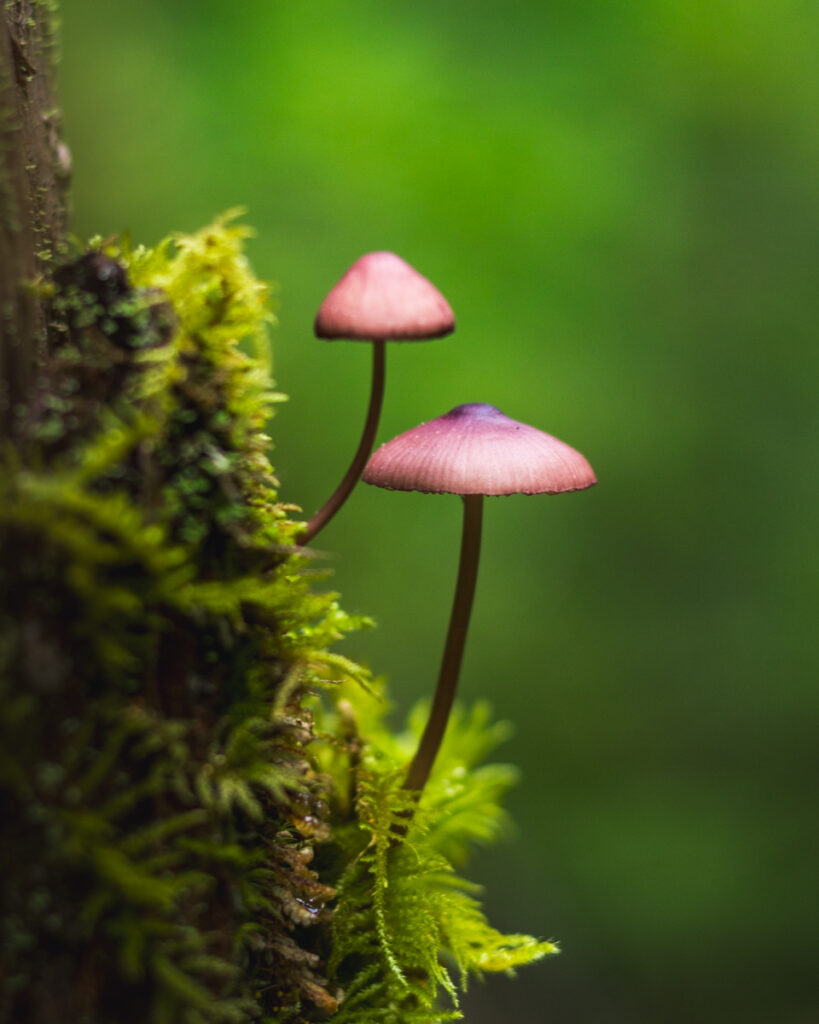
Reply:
x=34 y=171
x=158 y=808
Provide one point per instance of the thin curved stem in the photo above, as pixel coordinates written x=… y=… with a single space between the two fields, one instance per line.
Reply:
x=365 y=446
x=453 y=651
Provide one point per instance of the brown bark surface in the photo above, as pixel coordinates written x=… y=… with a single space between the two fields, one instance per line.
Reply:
x=34 y=171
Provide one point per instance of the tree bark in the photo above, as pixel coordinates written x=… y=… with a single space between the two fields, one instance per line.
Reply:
x=34 y=172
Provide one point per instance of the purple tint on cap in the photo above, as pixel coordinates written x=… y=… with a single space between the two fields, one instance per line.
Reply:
x=474 y=411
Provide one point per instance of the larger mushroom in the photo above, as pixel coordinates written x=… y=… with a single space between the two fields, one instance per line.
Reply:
x=380 y=298
x=473 y=451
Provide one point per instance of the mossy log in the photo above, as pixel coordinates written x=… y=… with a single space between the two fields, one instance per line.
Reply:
x=157 y=637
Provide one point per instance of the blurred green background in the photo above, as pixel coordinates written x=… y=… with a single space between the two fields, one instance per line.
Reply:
x=619 y=200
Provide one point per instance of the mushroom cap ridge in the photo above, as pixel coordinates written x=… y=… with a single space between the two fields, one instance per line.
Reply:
x=381 y=297
x=475 y=449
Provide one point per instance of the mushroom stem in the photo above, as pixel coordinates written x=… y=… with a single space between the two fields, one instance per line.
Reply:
x=365 y=446
x=453 y=651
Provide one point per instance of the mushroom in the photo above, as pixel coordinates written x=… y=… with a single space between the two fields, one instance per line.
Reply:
x=380 y=298
x=473 y=450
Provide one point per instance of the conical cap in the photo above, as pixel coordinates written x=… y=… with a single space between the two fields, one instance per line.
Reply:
x=382 y=297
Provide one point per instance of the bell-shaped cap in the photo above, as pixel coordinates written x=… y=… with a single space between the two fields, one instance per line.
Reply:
x=475 y=449
x=382 y=297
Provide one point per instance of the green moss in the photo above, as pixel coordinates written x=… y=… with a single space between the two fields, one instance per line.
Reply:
x=158 y=796
x=407 y=928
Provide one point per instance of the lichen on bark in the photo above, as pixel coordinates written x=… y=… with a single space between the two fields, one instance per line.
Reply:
x=34 y=173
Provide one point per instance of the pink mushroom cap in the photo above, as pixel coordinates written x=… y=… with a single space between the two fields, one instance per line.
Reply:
x=381 y=297
x=475 y=449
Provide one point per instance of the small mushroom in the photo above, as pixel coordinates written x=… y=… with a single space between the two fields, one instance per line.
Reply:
x=380 y=298
x=473 y=450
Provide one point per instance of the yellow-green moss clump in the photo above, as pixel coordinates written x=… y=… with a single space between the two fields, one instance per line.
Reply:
x=185 y=845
